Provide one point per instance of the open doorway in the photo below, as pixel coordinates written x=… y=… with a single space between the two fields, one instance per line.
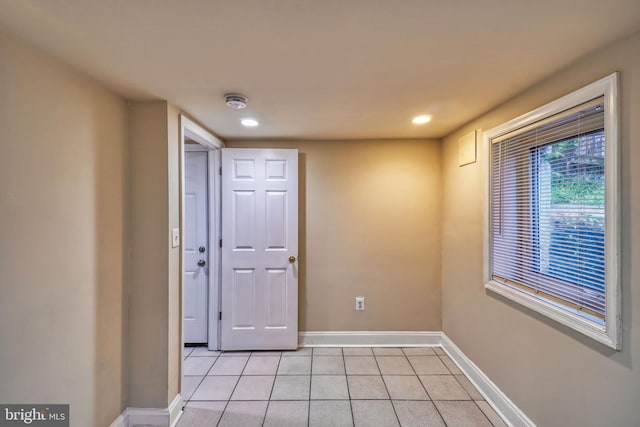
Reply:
x=200 y=254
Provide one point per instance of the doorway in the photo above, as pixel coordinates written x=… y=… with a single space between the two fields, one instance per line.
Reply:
x=200 y=224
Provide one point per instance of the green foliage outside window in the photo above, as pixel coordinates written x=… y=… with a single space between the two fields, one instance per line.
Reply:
x=577 y=170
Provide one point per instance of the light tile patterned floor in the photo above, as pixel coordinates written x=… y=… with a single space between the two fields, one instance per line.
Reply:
x=351 y=386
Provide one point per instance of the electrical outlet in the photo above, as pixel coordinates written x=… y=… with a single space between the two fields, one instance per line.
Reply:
x=359 y=303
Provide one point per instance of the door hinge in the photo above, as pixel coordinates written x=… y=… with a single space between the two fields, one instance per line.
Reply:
x=220 y=170
x=220 y=242
x=219 y=315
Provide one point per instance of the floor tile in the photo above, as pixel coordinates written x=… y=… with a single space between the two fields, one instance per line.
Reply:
x=291 y=387
x=327 y=365
x=201 y=414
x=357 y=351
x=215 y=388
x=490 y=413
x=327 y=351
x=312 y=388
x=387 y=351
x=302 y=351
x=394 y=365
x=203 y=351
x=428 y=365
x=235 y=353
x=253 y=387
x=414 y=413
x=261 y=365
x=369 y=413
x=266 y=353
x=329 y=387
x=443 y=387
x=405 y=387
x=418 y=351
x=197 y=365
x=295 y=366
x=367 y=387
x=335 y=413
x=460 y=414
x=228 y=366
x=453 y=368
x=287 y=414
x=189 y=385
x=469 y=388
x=361 y=365
x=243 y=414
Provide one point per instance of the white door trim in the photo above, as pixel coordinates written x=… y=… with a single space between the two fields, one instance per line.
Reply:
x=210 y=143
x=214 y=258
x=192 y=130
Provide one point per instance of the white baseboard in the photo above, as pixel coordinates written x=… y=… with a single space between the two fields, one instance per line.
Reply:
x=509 y=412
x=369 y=339
x=121 y=421
x=151 y=417
x=175 y=410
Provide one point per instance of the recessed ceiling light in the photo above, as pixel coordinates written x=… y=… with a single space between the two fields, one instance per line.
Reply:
x=421 y=120
x=249 y=122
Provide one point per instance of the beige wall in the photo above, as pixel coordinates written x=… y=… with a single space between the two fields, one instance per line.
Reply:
x=556 y=376
x=369 y=226
x=62 y=230
x=154 y=315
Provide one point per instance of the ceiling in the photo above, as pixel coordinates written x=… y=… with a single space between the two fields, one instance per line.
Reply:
x=324 y=69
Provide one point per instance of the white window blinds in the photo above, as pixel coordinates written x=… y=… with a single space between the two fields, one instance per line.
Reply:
x=547 y=219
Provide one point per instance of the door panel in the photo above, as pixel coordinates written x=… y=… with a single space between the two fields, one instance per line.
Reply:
x=196 y=236
x=243 y=298
x=260 y=233
x=244 y=204
x=277 y=294
x=276 y=217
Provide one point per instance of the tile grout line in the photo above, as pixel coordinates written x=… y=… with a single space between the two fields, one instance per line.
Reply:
x=385 y=384
x=458 y=381
x=482 y=412
x=233 y=391
x=275 y=376
x=310 y=379
x=202 y=379
x=425 y=388
x=346 y=379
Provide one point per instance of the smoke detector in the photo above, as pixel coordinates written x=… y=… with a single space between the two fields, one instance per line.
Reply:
x=235 y=101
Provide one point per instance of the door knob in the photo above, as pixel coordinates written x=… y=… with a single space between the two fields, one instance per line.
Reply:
x=201 y=249
x=202 y=263
x=292 y=259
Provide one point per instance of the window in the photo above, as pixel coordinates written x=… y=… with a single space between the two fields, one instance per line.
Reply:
x=553 y=216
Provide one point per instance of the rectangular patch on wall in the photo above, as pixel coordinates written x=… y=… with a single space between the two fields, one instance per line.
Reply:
x=467 y=150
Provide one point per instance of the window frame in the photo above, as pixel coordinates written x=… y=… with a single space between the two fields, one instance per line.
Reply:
x=608 y=334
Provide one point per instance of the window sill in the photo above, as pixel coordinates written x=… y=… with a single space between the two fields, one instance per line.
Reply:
x=575 y=321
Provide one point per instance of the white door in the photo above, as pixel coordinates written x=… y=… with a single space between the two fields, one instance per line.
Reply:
x=196 y=247
x=259 y=249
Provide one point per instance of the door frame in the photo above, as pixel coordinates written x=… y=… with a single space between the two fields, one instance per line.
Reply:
x=212 y=145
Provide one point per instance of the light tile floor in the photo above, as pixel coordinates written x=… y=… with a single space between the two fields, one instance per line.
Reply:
x=412 y=386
